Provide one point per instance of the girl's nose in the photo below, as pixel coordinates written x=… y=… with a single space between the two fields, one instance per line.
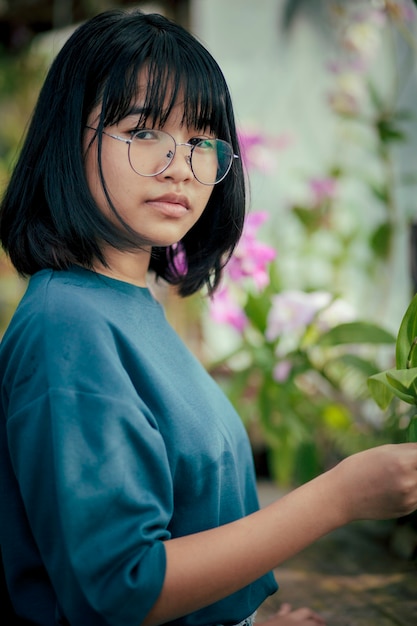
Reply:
x=180 y=166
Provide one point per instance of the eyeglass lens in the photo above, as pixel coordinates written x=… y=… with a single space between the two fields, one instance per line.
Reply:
x=151 y=151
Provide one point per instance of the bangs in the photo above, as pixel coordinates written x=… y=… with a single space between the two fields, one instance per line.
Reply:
x=190 y=83
x=172 y=73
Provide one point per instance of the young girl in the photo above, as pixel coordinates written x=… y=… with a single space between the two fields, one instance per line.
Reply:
x=127 y=492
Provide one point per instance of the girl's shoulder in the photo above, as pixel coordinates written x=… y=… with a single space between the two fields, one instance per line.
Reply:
x=76 y=311
x=80 y=294
x=72 y=304
x=54 y=298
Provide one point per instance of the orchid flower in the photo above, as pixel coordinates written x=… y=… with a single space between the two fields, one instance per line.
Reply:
x=293 y=310
x=251 y=257
x=225 y=310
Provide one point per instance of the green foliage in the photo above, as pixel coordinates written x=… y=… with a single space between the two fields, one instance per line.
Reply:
x=20 y=78
x=412 y=429
x=381 y=240
x=355 y=332
x=314 y=404
x=401 y=381
x=386 y=127
x=309 y=393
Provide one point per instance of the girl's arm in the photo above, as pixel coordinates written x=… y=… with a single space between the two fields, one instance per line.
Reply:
x=203 y=568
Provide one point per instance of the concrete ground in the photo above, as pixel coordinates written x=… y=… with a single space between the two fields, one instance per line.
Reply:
x=352 y=577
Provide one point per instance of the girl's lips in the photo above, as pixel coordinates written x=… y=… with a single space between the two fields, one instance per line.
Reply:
x=172 y=205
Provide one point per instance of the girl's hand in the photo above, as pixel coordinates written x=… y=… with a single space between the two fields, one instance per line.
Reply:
x=380 y=483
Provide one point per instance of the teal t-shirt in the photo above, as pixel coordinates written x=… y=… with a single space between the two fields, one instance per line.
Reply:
x=113 y=438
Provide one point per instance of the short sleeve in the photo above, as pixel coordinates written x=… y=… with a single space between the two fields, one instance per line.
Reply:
x=93 y=473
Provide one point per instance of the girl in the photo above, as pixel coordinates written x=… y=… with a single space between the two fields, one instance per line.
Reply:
x=128 y=493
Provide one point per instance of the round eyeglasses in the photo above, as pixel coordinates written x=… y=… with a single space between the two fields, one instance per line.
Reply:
x=151 y=152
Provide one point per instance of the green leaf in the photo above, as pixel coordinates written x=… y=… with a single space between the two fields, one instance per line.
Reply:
x=404 y=381
x=307 y=462
x=405 y=351
x=355 y=332
x=310 y=218
x=281 y=462
x=352 y=361
x=380 y=192
x=385 y=385
x=388 y=132
x=412 y=430
x=380 y=390
x=256 y=309
x=376 y=99
x=350 y=373
x=381 y=240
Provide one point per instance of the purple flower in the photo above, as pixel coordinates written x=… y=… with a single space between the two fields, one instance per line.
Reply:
x=282 y=371
x=225 y=310
x=323 y=189
x=249 y=262
x=259 y=149
x=178 y=261
x=293 y=310
x=251 y=257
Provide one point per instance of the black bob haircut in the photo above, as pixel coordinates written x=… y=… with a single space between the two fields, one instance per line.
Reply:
x=48 y=218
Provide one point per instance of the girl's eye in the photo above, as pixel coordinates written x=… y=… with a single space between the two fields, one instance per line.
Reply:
x=146 y=134
x=203 y=143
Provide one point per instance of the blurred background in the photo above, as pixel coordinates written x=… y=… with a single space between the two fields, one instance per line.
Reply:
x=324 y=94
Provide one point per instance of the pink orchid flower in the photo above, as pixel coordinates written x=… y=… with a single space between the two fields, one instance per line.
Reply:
x=251 y=257
x=225 y=310
x=259 y=150
x=293 y=310
x=323 y=189
x=282 y=371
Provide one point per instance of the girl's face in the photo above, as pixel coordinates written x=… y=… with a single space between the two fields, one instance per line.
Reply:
x=160 y=208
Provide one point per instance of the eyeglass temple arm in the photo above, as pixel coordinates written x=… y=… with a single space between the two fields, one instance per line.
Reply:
x=113 y=136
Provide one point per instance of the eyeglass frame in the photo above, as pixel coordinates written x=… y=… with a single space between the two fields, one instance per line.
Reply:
x=188 y=157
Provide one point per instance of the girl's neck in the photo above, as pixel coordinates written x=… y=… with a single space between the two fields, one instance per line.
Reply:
x=129 y=267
